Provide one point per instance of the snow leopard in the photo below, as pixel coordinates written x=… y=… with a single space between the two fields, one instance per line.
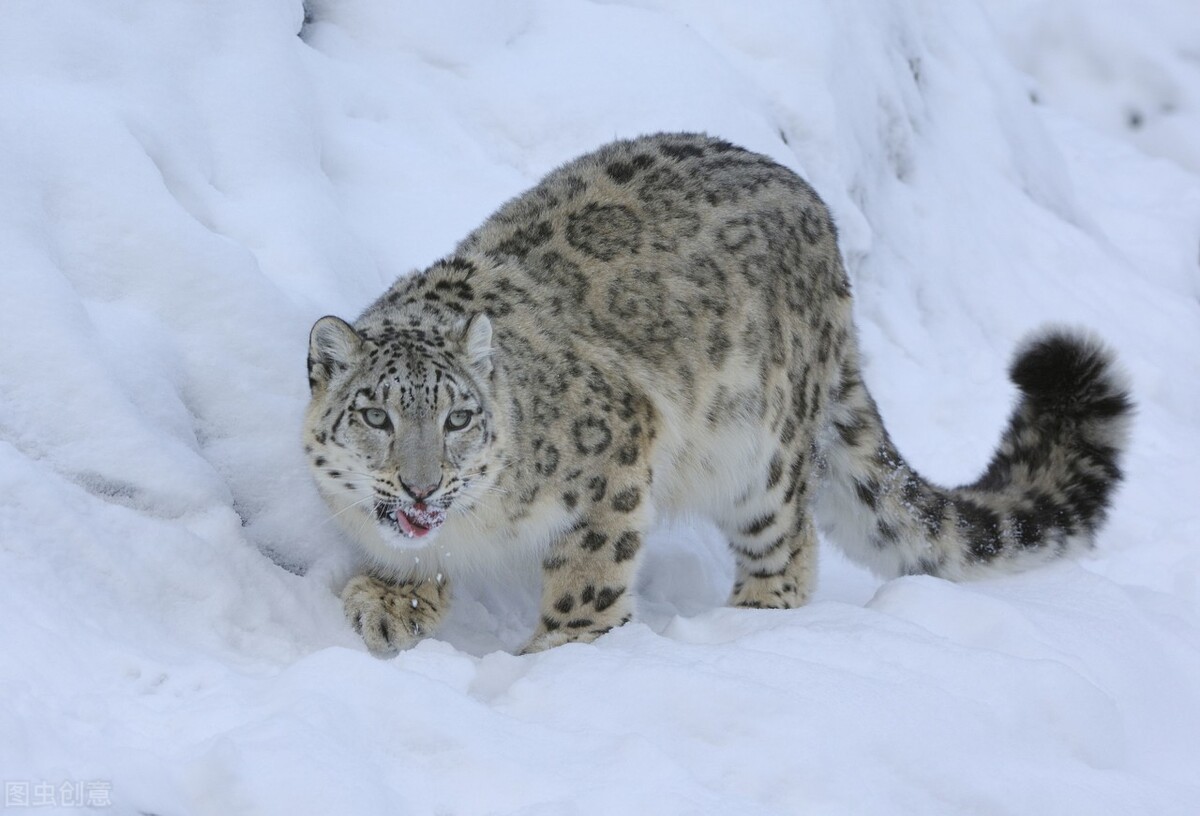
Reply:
x=661 y=328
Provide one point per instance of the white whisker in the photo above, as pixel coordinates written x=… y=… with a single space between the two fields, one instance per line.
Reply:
x=347 y=507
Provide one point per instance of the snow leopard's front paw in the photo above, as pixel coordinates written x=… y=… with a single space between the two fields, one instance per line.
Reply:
x=392 y=616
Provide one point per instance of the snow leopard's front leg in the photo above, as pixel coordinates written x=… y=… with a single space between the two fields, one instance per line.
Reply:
x=393 y=615
x=587 y=580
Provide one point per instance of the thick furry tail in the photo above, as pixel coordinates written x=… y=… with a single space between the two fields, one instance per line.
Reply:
x=1044 y=494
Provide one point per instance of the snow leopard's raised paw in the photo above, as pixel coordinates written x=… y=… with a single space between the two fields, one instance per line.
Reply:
x=391 y=616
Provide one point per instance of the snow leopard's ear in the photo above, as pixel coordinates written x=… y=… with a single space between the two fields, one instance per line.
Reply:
x=477 y=345
x=333 y=346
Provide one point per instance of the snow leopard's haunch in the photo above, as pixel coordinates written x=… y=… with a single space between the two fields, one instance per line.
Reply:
x=664 y=327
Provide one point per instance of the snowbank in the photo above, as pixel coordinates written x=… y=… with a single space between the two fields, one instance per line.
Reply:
x=185 y=187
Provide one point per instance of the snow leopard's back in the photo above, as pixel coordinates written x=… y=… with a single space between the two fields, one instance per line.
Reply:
x=709 y=275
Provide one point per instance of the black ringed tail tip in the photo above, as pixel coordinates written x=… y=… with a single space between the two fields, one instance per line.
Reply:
x=1073 y=372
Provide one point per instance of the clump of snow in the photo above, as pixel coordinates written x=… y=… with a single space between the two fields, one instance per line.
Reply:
x=187 y=186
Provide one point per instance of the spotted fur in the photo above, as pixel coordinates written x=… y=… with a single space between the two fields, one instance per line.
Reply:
x=664 y=327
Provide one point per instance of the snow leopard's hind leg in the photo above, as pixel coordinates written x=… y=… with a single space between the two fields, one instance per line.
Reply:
x=773 y=537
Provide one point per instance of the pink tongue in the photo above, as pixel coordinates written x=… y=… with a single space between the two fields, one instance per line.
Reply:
x=419 y=520
x=408 y=528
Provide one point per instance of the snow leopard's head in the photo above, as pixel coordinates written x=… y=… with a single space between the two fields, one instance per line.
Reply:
x=400 y=429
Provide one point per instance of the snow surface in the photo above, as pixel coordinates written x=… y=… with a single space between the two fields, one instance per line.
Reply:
x=186 y=186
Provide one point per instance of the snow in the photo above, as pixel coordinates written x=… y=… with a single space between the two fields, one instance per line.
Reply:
x=185 y=187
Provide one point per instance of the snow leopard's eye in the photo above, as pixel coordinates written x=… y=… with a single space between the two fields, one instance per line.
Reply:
x=376 y=418
x=458 y=420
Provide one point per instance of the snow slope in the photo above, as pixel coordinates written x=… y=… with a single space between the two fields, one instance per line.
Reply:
x=185 y=187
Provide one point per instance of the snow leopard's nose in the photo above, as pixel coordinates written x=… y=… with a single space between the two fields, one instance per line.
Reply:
x=419 y=492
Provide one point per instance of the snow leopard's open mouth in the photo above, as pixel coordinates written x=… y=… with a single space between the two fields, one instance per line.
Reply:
x=416 y=521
